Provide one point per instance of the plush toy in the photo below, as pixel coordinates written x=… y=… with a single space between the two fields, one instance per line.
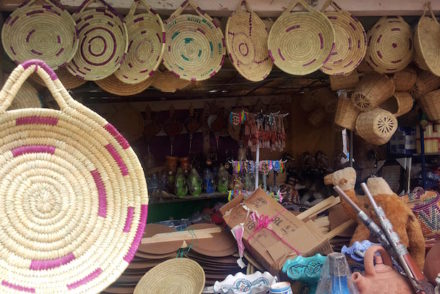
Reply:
x=400 y=215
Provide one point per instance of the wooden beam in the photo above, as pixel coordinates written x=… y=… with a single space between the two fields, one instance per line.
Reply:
x=265 y=8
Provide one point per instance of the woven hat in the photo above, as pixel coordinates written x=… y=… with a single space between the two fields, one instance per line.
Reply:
x=427 y=42
x=40 y=29
x=390 y=45
x=27 y=97
x=74 y=196
x=300 y=42
x=179 y=275
x=66 y=78
x=114 y=86
x=168 y=82
x=350 y=41
x=146 y=44
x=195 y=44
x=103 y=42
x=376 y=126
x=246 y=40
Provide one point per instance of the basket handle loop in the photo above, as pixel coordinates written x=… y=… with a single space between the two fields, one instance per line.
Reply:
x=296 y=2
x=135 y=5
x=22 y=72
x=428 y=6
x=245 y=4
x=332 y=3
x=86 y=3
x=194 y=6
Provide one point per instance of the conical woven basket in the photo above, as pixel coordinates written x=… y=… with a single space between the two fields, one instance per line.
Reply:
x=372 y=90
x=399 y=104
x=390 y=45
x=195 y=44
x=146 y=44
x=430 y=103
x=405 y=80
x=114 y=86
x=348 y=81
x=74 y=199
x=40 y=29
x=300 y=42
x=246 y=40
x=346 y=114
x=376 y=126
x=178 y=275
x=66 y=78
x=27 y=97
x=427 y=42
x=425 y=83
x=350 y=42
x=103 y=41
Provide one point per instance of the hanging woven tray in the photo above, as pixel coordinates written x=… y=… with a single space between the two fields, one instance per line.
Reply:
x=40 y=29
x=146 y=44
x=66 y=78
x=114 y=86
x=103 y=41
x=73 y=194
x=390 y=45
x=350 y=41
x=246 y=40
x=300 y=42
x=427 y=42
x=195 y=44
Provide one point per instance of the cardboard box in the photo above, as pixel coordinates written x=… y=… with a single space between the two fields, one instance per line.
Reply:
x=284 y=237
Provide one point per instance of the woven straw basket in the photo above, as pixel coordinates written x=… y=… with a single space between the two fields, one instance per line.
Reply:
x=425 y=83
x=246 y=41
x=195 y=44
x=66 y=78
x=376 y=126
x=168 y=82
x=114 y=86
x=350 y=41
x=427 y=42
x=372 y=90
x=102 y=42
x=43 y=30
x=178 y=275
x=404 y=80
x=346 y=113
x=399 y=104
x=348 y=81
x=431 y=105
x=74 y=197
x=27 y=97
x=300 y=42
x=146 y=44
x=390 y=45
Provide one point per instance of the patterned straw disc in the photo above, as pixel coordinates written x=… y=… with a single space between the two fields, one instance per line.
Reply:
x=390 y=45
x=146 y=44
x=66 y=78
x=43 y=30
x=246 y=40
x=113 y=85
x=103 y=42
x=195 y=45
x=350 y=42
x=300 y=42
x=73 y=194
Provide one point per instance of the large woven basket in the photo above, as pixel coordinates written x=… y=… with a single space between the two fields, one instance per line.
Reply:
x=404 y=80
x=348 y=81
x=114 y=86
x=246 y=41
x=195 y=44
x=372 y=90
x=425 y=83
x=350 y=41
x=40 y=29
x=73 y=194
x=399 y=104
x=66 y=78
x=376 y=126
x=430 y=103
x=346 y=114
x=390 y=45
x=146 y=44
x=103 y=41
x=300 y=42
x=427 y=42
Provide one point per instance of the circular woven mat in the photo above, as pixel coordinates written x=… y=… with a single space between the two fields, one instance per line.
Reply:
x=246 y=40
x=103 y=43
x=300 y=42
x=146 y=44
x=390 y=45
x=179 y=275
x=195 y=46
x=66 y=78
x=40 y=30
x=426 y=44
x=73 y=195
x=113 y=85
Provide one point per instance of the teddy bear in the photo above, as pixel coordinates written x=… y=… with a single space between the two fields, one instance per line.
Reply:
x=404 y=222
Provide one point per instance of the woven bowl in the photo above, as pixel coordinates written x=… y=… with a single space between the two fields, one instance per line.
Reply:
x=195 y=45
x=350 y=42
x=430 y=103
x=372 y=90
x=300 y=42
x=390 y=45
x=376 y=126
x=40 y=29
x=74 y=199
x=146 y=44
x=66 y=78
x=103 y=42
x=246 y=41
x=113 y=85
x=399 y=104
